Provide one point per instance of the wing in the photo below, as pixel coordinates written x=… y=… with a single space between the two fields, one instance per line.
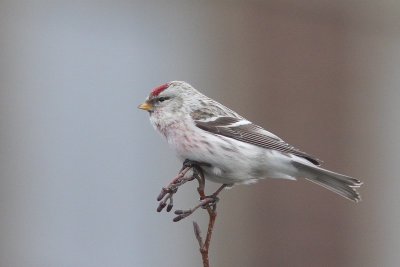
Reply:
x=247 y=132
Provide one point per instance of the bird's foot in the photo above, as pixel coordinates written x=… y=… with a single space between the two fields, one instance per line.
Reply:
x=193 y=164
x=211 y=201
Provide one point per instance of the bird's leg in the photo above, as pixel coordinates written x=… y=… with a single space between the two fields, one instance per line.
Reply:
x=198 y=174
x=194 y=164
x=212 y=199
x=216 y=193
x=166 y=194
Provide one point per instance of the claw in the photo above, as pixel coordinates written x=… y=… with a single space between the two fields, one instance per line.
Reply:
x=189 y=163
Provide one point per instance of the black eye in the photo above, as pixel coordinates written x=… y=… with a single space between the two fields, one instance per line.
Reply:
x=162 y=99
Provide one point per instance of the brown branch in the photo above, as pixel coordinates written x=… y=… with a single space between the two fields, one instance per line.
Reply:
x=168 y=192
x=204 y=247
x=207 y=202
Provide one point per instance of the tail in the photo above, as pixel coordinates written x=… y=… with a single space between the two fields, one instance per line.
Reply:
x=340 y=184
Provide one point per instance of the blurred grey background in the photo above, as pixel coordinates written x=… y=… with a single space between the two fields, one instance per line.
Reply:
x=81 y=166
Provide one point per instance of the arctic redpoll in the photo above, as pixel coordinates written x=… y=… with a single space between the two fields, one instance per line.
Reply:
x=234 y=150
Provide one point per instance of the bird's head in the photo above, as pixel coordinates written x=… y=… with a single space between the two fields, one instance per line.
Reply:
x=170 y=98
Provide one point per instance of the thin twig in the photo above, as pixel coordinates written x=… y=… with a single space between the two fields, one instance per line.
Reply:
x=197 y=233
x=204 y=247
x=207 y=202
x=168 y=192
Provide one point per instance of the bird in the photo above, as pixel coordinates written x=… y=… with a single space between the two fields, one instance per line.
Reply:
x=233 y=150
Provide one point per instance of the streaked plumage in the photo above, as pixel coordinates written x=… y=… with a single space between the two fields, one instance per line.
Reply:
x=238 y=151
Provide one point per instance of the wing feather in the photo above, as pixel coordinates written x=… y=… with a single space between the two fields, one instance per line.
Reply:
x=247 y=132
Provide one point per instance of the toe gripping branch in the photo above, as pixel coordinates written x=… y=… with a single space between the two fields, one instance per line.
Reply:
x=167 y=193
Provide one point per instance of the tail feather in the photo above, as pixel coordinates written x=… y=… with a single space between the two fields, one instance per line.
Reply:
x=338 y=183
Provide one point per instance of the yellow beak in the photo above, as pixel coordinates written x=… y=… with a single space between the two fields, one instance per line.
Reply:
x=146 y=106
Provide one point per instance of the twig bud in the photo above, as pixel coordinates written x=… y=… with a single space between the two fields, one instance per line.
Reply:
x=179 y=212
x=178 y=218
x=161 y=206
x=162 y=194
x=169 y=207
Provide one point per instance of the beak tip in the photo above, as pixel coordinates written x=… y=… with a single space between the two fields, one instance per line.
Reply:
x=145 y=106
